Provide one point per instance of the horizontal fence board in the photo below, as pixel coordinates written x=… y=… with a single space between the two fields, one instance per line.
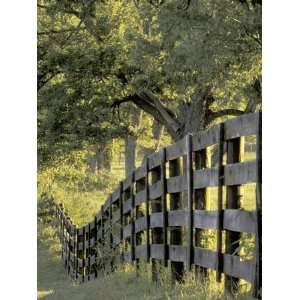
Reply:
x=92 y=259
x=176 y=184
x=127 y=231
x=205 y=219
x=176 y=150
x=80 y=246
x=154 y=160
x=127 y=182
x=178 y=253
x=140 y=172
x=80 y=262
x=105 y=209
x=116 y=215
x=205 y=178
x=240 y=173
x=233 y=266
x=140 y=224
x=140 y=197
x=242 y=126
x=99 y=216
x=207 y=138
x=127 y=206
x=115 y=196
x=155 y=190
x=240 y=220
x=141 y=251
x=92 y=242
x=156 y=220
x=157 y=251
x=177 y=218
x=99 y=234
x=205 y=258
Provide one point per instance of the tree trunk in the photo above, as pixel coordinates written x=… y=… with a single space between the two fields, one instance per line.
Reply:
x=130 y=150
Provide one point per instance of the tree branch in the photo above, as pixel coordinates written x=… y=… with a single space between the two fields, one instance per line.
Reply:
x=152 y=105
x=212 y=115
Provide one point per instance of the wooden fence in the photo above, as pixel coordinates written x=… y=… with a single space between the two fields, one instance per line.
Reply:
x=159 y=213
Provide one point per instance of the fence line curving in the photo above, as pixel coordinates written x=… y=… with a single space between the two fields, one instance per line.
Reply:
x=160 y=212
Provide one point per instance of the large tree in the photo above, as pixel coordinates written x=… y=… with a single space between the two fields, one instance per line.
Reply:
x=186 y=63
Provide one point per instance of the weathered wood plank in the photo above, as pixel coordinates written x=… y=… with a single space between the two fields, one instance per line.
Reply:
x=205 y=178
x=190 y=199
x=205 y=219
x=239 y=220
x=206 y=138
x=178 y=253
x=127 y=182
x=257 y=282
x=177 y=218
x=92 y=259
x=116 y=215
x=141 y=251
x=176 y=150
x=140 y=172
x=127 y=206
x=155 y=190
x=127 y=231
x=92 y=242
x=115 y=196
x=176 y=184
x=92 y=225
x=205 y=258
x=242 y=126
x=240 y=173
x=234 y=267
x=154 y=160
x=80 y=263
x=157 y=251
x=156 y=220
x=140 y=224
x=80 y=246
x=140 y=197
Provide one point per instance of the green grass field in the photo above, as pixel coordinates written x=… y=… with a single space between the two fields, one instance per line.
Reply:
x=54 y=284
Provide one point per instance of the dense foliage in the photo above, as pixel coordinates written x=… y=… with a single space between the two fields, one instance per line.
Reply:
x=173 y=59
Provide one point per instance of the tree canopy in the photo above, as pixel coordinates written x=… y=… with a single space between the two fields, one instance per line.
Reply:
x=185 y=63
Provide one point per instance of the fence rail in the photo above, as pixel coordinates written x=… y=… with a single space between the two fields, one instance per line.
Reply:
x=159 y=213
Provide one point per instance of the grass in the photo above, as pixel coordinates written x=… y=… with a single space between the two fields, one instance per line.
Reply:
x=54 y=284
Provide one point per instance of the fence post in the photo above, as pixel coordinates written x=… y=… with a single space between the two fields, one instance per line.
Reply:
x=220 y=198
x=189 y=180
x=88 y=252
x=83 y=255
x=232 y=237
x=95 y=246
x=157 y=233
x=200 y=199
x=258 y=267
x=76 y=249
x=147 y=211
x=132 y=219
x=176 y=233
x=121 y=223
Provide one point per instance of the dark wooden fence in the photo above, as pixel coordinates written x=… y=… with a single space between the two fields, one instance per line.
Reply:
x=159 y=213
